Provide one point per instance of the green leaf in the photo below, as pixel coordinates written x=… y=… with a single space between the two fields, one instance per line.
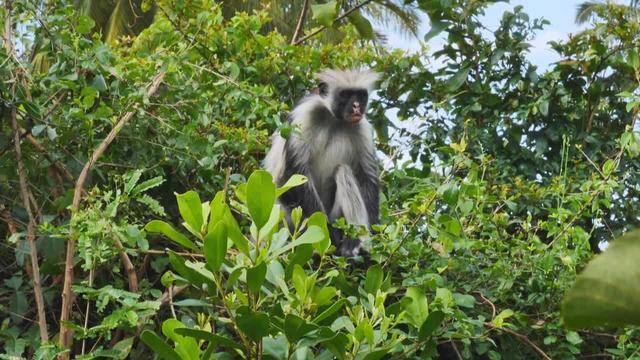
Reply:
x=253 y=324
x=194 y=277
x=458 y=79
x=294 y=180
x=501 y=317
x=215 y=246
x=220 y=212
x=325 y=13
x=146 y=185
x=607 y=290
x=544 y=107
x=299 y=281
x=191 y=209
x=256 y=276
x=362 y=25
x=374 y=279
x=88 y=96
x=295 y=328
x=133 y=180
x=261 y=195
x=417 y=309
x=311 y=236
x=99 y=83
x=161 y=227
x=319 y=219
x=436 y=28
x=430 y=325
x=376 y=355
x=210 y=337
x=159 y=346
x=330 y=311
x=85 y=24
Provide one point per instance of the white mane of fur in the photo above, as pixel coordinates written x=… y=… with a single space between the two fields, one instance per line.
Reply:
x=354 y=78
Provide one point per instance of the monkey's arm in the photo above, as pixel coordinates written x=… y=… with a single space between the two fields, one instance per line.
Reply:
x=367 y=176
x=306 y=196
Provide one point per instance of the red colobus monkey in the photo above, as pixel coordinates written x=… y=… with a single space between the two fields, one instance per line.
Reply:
x=334 y=149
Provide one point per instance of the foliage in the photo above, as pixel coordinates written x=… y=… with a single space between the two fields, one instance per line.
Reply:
x=500 y=181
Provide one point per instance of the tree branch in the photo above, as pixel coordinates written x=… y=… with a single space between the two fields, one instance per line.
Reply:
x=24 y=190
x=322 y=28
x=67 y=293
x=520 y=336
x=303 y=14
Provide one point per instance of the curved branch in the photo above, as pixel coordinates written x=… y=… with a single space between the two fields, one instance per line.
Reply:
x=67 y=293
x=24 y=189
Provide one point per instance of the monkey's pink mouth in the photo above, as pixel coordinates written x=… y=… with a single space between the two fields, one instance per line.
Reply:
x=355 y=118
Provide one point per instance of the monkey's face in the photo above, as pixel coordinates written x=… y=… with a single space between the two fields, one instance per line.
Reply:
x=349 y=105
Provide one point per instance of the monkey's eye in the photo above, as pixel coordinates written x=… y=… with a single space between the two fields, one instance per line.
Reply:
x=323 y=88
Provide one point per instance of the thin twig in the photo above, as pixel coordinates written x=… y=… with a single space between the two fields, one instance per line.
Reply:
x=303 y=14
x=322 y=28
x=493 y=306
x=227 y=176
x=67 y=293
x=520 y=336
x=24 y=189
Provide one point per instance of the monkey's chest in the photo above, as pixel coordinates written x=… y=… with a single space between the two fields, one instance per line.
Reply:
x=328 y=154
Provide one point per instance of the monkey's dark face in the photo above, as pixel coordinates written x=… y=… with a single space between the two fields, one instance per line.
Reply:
x=349 y=105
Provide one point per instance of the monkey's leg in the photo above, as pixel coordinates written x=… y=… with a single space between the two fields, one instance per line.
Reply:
x=350 y=205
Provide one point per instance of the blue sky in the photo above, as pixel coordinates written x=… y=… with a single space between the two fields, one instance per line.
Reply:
x=560 y=13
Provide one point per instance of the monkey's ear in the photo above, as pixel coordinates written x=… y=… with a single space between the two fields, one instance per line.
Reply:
x=323 y=88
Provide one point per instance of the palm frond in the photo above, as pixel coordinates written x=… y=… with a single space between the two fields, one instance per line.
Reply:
x=586 y=11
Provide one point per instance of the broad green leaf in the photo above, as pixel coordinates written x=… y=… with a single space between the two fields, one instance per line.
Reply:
x=330 y=311
x=255 y=325
x=256 y=276
x=195 y=278
x=294 y=180
x=319 y=219
x=186 y=347
x=295 y=328
x=275 y=348
x=159 y=346
x=432 y=322
x=417 y=309
x=374 y=279
x=606 y=293
x=217 y=210
x=436 y=28
x=501 y=317
x=337 y=345
x=123 y=348
x=220 y=212
x=161 y=227
x=215 y=246
x=299 y=281
x=261 y=195
x=323 y=296
x=85 y=24
x=325 y=13
x=376 y=355
x=210 y=337
x=191 y=209
x=362 y=25
x=311 y=236
x=458 y=79
x=363 y=331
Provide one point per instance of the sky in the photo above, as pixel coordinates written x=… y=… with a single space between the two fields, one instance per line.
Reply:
x=560 y=13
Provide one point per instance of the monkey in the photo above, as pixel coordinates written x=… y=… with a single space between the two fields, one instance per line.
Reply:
x=333 y=147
